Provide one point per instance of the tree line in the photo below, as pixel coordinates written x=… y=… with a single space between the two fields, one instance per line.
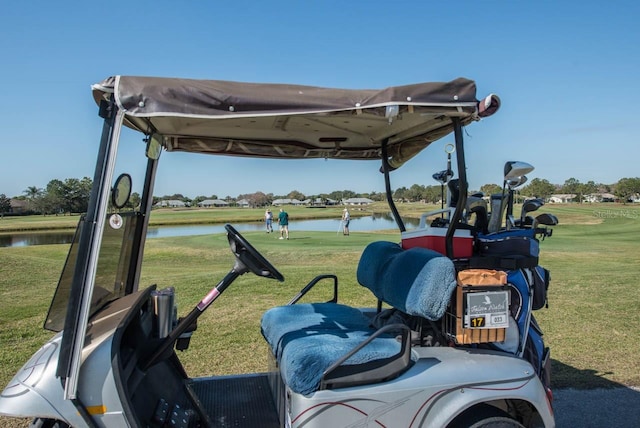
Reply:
x=260 y=199
x=72 y=194
x=59 y=197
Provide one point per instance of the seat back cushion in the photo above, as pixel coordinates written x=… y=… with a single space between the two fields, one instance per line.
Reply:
x=417 y=281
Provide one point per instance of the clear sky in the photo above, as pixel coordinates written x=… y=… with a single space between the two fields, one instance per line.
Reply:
x=565 y=70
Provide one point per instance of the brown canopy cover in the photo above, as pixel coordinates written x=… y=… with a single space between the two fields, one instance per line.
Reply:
x=293 y=121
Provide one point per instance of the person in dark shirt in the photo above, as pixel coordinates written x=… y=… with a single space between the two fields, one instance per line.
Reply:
x=283 y=221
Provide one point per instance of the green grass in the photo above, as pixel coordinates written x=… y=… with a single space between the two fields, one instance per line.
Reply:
x=591 y=325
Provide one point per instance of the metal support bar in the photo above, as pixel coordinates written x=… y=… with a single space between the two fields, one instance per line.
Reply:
x=312 y=284
x=387 y=185
x=88 y=248
x=462 y=186
x=146 y=202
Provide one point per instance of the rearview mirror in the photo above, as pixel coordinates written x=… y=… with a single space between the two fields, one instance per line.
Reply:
x=154 y=146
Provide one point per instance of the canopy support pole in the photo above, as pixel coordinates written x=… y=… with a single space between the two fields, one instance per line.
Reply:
x=462 y=186
x=387 y=185
x=73 y=338
x=146 y=202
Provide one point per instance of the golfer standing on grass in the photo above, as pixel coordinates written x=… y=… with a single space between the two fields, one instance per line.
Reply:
x=268 y=218
x=283 y=221
x=345 y=221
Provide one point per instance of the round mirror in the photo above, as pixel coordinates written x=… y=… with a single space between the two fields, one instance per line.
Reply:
x=121 y=191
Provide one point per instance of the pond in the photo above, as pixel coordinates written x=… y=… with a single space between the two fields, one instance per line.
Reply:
x=358 y=224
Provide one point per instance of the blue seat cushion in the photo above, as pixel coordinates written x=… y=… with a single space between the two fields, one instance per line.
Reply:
x=308 y=338
x=308 y=354
x=310 y=318
x=417 y=281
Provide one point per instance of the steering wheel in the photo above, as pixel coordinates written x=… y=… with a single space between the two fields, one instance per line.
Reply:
x=249 y=256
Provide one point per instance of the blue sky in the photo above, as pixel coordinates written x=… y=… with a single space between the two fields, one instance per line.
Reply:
x=567 y=74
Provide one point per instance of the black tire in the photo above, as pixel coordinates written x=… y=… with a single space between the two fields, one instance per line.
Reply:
x=484 y=416
x=47 y=423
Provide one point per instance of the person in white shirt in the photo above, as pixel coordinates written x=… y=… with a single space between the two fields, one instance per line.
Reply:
x=268 y=218
x=345 y=221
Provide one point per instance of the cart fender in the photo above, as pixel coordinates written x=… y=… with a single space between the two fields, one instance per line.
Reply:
x=453 y=402
x=36 y=391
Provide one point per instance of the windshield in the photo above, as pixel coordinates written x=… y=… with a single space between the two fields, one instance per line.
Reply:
x=113 y=271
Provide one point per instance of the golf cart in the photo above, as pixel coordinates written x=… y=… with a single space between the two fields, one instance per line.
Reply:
x=465 y=280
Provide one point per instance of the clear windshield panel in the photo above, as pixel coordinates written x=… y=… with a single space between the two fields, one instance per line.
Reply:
x=114 y=265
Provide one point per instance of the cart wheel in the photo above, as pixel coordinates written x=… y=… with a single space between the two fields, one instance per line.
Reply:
x=485 y=416
x=47 y=423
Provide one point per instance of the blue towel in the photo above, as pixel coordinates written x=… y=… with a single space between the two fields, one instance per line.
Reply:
x=279 y=321
x=307 y=338
x=417 y=281
x=309 y=354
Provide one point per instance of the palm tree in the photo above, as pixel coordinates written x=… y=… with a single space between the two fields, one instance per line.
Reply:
x=32 y=193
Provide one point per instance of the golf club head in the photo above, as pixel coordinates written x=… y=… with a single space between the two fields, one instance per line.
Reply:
x=453 y=192
x=498 y=208
x=443 y=176
x=525 y=223
x=547 y=219
x=476 y=214
x=476 y=200
x=512 y=183
x=513 y=169
x=528 y=221
x=530 y=205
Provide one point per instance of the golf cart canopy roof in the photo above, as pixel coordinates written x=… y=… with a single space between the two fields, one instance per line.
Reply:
x=292 y=121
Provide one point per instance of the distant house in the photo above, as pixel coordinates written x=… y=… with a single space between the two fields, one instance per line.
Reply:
x=357 y=201
x=244 y=203
x=599 y=197
x=607 y=197
x=208 y=203
x=19 y=206
x=286 y=201
x=561 y=199
x=172 y=203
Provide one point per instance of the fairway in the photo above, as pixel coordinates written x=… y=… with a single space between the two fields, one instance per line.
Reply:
x=591 y=324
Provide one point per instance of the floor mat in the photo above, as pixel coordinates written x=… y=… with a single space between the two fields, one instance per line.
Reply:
x=237 y=401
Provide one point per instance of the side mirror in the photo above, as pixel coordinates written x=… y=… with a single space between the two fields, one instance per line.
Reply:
x=121 y=191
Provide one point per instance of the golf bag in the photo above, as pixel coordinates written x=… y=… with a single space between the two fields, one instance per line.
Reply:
x=516 y=252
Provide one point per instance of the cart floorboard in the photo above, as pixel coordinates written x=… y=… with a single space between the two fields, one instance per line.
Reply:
x=237 y=401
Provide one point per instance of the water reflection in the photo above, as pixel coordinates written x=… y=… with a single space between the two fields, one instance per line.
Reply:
x=25 y=239
x=361 y=224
